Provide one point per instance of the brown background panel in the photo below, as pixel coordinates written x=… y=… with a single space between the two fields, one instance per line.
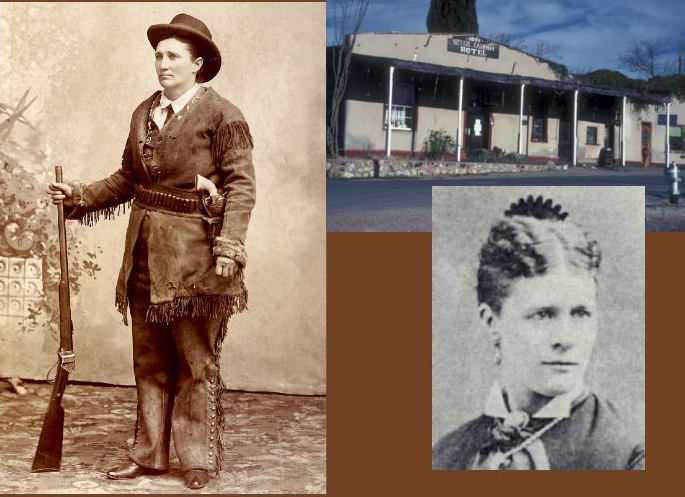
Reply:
x=379 y=360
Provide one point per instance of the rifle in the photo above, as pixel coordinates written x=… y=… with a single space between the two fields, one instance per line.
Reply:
x=49 y=452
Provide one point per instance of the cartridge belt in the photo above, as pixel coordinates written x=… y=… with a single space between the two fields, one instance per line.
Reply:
x=163 y=198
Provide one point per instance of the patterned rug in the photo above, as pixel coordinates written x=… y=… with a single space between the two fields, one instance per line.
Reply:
x=274 y=443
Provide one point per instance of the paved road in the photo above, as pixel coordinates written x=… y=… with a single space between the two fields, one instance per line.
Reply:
x=405 y=204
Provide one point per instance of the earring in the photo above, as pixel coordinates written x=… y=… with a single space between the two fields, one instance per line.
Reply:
x=498 y=353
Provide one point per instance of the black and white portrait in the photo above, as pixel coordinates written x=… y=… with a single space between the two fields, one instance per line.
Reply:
x=538 y=328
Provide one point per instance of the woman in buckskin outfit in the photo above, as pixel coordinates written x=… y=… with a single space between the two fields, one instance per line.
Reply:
x=182 y=272
x=537 y=295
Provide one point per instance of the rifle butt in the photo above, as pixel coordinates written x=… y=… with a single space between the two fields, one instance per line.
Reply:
x=49 y=451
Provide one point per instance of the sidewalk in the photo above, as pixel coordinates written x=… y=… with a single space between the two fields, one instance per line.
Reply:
x=662 y=216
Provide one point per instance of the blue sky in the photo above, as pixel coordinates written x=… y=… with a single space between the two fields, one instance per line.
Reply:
x=592 y=34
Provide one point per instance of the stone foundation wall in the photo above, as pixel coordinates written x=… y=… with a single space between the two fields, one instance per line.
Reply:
x=402 y=168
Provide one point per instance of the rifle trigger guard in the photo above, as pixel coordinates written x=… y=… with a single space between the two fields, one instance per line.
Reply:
x=67 y=360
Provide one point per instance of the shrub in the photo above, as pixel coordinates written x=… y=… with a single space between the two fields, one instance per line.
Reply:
x=438 y=144
x=482 y=155
x=498 y=155
x=515 y=158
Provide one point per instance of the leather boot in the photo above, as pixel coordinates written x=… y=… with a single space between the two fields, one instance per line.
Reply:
x=130 y=470
x=196 y=478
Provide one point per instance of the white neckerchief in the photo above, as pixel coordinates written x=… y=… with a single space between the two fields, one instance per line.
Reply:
x=558 y=407
x=159 y=114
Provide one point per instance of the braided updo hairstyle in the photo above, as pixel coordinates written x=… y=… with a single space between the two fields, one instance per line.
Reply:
x=532 y=238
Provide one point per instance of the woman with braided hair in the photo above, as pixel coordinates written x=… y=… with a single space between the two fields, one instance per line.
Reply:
x=537 y=299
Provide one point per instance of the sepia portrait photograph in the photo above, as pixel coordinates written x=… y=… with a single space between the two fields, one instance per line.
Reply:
x=162 y=248
x=538 y=328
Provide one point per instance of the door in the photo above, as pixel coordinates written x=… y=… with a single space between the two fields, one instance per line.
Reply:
x=564 y=152
x=476 y=131
x=646 y=144
x=609 y=136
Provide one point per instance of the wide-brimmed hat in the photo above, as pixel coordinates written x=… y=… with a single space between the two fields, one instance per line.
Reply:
x=196 y=32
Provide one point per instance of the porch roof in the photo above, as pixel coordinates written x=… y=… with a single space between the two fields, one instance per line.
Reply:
x=511 y=78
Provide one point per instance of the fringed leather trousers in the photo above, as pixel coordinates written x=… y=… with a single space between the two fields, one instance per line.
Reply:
x=177 y=379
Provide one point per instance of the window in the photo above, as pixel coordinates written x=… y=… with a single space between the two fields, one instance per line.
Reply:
x=402 y=115
x=675 y=138
x=591 y=138
x=539 y=133
x=673 y=119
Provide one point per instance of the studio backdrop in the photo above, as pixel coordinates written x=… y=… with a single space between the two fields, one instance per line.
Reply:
x=71 y=74
x=463 y=361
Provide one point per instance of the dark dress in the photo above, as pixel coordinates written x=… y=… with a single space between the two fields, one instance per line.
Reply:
x=592 y=437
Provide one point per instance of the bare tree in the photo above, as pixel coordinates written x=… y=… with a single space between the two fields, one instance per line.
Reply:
x=347 y=19
x=512 y=40
x=548 y=50
x=642 y=57
x=543 y=49
x=579 y=69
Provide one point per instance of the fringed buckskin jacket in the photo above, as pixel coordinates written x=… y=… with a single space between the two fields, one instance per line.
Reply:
x=209 y=136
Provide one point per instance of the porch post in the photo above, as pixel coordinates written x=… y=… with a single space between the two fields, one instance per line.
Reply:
x=388 y=121
x=575 y=126
x=668 y=130
x=459 y=119
x=623 y=132
x=520 y=142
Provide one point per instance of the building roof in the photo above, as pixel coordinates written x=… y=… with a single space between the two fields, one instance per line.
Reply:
x=490 y=40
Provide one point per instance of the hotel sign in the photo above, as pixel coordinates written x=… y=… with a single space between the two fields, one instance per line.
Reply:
x=473 y=45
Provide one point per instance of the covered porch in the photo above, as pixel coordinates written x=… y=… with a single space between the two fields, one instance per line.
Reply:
x=562 y=121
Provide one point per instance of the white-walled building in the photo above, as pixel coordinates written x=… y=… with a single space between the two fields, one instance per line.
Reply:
x=486 y=95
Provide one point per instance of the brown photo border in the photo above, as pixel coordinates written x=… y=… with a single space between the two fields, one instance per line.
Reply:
x=379 y=374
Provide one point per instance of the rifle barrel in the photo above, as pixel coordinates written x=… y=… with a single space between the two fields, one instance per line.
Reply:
x=65 y=329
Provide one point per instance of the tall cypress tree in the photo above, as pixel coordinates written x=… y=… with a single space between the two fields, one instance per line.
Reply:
x=452 y=16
